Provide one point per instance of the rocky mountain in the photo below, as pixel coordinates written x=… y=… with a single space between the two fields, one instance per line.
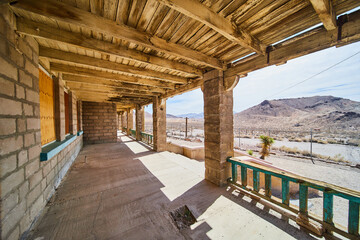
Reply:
x=320 y=112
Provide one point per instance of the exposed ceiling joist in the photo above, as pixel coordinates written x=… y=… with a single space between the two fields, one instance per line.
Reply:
x=89 y=86
x=62 y=68
x=326 y=13
x=65 y=13
x=309 y=42
x=69 y=57
x=43 y=31
x=196 y=10
x=87 y=95
x=109 y=83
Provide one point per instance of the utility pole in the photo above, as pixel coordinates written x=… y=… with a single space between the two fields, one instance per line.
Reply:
x=311 y=146
x=186 y=127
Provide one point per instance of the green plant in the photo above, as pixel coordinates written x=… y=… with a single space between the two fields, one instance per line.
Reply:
x=250 y=152
x=266 y=142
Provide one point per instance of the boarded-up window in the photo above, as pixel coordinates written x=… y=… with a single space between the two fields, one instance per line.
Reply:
x=67 y=113
x=47 y=115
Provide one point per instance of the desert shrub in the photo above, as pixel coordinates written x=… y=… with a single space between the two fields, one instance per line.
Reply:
x=266 y=142
x=250 y=152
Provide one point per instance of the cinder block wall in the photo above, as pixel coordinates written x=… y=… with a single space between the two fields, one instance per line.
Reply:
x=26 y=183
x=99 y=122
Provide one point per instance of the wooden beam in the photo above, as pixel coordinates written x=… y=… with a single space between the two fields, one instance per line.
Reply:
x=196 y=10
x=183 y=89
x=65 y=13
x=43 y=31
x=110 y=83
x=326 y=13
x=69 y=57
x=58 y=67
x=309 y=42
x=89 y=86
x=108 y=96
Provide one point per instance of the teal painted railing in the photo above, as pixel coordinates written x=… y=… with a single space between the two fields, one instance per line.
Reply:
x=329 y=191
x=147 y=138
x=133 y=133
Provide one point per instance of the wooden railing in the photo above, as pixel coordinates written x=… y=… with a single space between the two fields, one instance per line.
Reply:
x=133 y=133
x=147 y=138
x=329 y=191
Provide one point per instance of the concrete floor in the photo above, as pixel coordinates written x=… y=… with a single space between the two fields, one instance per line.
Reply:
x=126 y=191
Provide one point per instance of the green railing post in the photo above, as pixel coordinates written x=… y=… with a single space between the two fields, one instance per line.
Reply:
x=233 y=172
x=303 y=198
x=353 y=226
x=285 y=191
x=328 y=207
x=256 y=180
x=243 y=176
x=267 y=185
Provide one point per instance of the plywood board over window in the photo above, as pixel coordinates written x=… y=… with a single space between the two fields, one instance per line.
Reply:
x=47 y=114
x=67 y=113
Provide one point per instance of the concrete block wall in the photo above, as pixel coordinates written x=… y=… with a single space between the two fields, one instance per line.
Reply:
x=26 y=183
x=99 y=122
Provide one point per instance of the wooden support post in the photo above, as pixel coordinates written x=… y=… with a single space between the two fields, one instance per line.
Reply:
x=243 y=176
x=139 y=113
x=353 y=227
x=285 y=191
x=159 y=124
x=234 y=173
x=267 y=185
x=256 y=180
x=303 y=198
x=328 y=208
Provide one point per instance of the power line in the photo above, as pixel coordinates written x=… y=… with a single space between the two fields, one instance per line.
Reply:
x=326 y=69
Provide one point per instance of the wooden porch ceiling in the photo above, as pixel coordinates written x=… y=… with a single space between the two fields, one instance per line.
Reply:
x=128 y=51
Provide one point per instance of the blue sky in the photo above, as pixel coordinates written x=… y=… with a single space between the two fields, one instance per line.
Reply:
x=273 y=82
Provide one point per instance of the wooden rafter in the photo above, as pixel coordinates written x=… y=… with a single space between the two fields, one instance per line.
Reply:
x=203 y=14
x=115 y=90
x=326 y=13
x=110 y=83
x=43 y=31
x=68 y=57
x=65 y=13
x=309 y=42
x=58 y=67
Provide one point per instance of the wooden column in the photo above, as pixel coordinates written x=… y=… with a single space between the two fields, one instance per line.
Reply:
x=143 y=119
x=59 y=109
x=139 y=121
x=123 y=120
x=159 y=124
x=218 y=125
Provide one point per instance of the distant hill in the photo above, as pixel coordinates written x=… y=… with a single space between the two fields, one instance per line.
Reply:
x=321 y=112
x=149 y=115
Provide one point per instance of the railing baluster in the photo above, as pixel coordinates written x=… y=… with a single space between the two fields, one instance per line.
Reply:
x=328 y=207
x=353 y=227
x=234 y=172
x=243 y=176
x=285 y=191
x=303 y=198
x=268 y=185
x=256 y=180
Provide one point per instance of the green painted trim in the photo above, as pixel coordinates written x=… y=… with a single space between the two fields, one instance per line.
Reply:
x=328 y=207
x=52 y=149
x=79 y=133
x=285 y=191
x=234 y=173
x=256 y=180
x=243 y=176
x=353 y=227
x=267 y=185
x=303 y=197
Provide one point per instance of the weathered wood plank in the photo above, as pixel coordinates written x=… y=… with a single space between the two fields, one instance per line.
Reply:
x=69 y=57
x=42 y=31
x=256 y=180
x=328 y=207
x=110 y=83
x=65 y=13
x=267 y=185
x=234 y=173
x=326 y=13
x=353 y=227
x=205 y=15
x=57 y=67
x=243 y=176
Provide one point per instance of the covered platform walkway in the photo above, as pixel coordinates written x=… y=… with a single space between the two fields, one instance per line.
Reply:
x=124 y=190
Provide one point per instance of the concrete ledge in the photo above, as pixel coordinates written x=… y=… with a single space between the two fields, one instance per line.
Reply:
x=197 y=153
x=79 y=133
x=52 y=149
